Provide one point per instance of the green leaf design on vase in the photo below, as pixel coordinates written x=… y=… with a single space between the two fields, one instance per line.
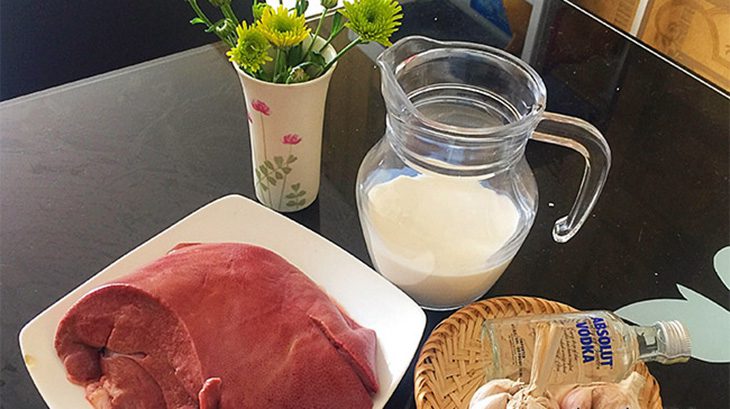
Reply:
x=290 y=139
x=273 y=173
x=268 y=174
x=295 y=198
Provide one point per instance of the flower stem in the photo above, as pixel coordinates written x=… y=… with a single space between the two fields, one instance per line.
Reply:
x=340 y=54
x=263 y=139
x=316 y=33
x=276 y=65
x=229 y=14
x=202 y=16
x=331 y=37
x=283 y=183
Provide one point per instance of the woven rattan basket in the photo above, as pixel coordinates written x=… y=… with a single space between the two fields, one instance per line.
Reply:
x=450 y=367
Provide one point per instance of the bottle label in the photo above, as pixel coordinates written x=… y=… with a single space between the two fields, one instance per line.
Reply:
x=596 y=345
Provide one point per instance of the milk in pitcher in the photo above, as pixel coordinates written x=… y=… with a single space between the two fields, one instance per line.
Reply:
x=435 y=236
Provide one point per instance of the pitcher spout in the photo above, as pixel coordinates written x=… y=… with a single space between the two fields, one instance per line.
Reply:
x=392 y=62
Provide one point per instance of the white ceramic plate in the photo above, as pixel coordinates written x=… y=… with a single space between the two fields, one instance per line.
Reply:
x=366 y=296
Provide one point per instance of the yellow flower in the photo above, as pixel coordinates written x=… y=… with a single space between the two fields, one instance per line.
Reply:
x=282 y=28
x=251 y=49
x=373 y=20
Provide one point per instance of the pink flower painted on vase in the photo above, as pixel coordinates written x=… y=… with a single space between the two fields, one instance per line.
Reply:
x=291 y=139
x=260 y=106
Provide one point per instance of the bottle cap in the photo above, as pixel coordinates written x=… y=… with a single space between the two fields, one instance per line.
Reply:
x=674 y=342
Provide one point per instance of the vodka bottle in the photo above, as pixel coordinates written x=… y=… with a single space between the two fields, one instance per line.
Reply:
x=583 y=346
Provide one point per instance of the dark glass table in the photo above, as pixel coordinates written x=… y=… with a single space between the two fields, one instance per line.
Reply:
x=90 y=170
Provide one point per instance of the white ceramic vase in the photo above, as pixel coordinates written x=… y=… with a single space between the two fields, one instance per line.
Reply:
x=285 y=126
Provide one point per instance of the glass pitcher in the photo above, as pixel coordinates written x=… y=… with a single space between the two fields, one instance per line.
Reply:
x=446 y=197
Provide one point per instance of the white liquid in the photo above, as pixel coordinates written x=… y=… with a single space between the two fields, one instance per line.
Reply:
x=432 y=236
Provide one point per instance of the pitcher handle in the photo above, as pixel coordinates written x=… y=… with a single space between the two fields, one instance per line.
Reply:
x=585 y=139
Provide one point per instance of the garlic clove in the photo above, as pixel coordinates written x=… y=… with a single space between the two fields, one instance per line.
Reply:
x=496 y=401
x=578 y=398
x=600 y=395
x=494 y=394
x=524 y=399
x=499 y=385
x=624 y=395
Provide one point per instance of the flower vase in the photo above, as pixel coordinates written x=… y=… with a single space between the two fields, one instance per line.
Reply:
x=285 y=127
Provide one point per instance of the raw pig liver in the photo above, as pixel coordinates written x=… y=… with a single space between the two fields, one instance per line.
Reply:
x=217 y=326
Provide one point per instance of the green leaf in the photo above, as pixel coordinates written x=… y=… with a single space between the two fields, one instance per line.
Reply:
x=291 y=159
x=317 y=62
x=269 y=164
x=264 y=188
x=279 y=161
x=197 y=20
x=258 y=174
x=279 y=175
x=271 y=180
x=286 y=170
x=316 y=58
x=265 y=76
x=301 y=202
x=280 y=69
x=291 y=203
x=337 y=24
x=296 y=186
x=264 y=170
x=291 y=196
x=294 y=56
x=301 y=193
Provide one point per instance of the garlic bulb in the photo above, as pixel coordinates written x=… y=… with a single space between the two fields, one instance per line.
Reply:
x=525 y=399
x=494 y=394
x=496 y=401
x=509 y=394
x=601 y=395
